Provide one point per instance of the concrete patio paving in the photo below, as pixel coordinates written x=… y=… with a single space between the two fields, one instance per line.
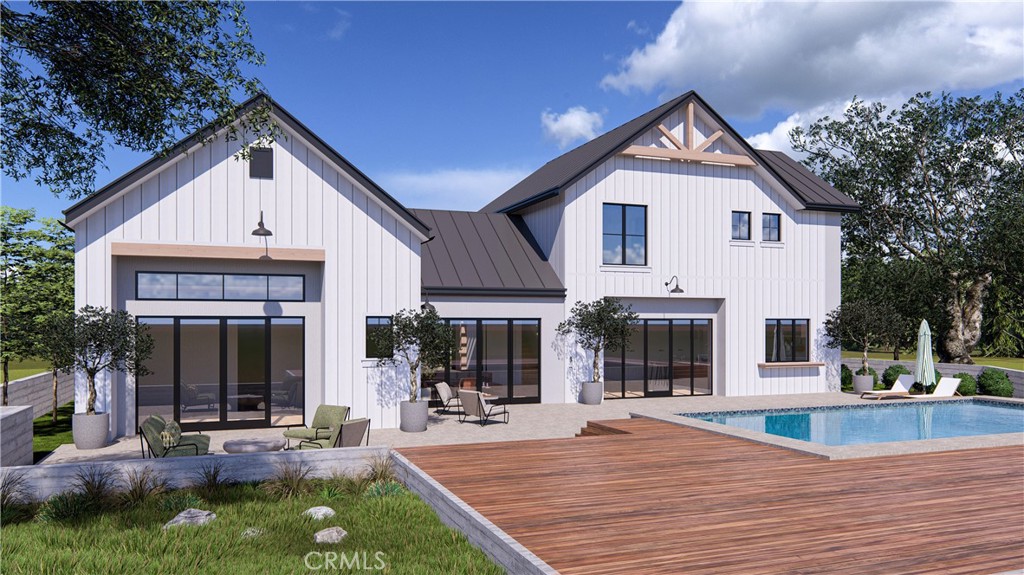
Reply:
x=527 y=421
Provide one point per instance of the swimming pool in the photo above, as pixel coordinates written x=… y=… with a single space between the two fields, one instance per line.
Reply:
x=859 y=424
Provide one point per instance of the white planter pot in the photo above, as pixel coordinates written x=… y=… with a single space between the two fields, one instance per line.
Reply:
x=862 y=383
x=592 y=393
x=413 y=415
x=90 y=431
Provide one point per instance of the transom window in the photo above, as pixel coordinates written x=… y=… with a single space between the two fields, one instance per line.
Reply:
x=770 y=228
x=208 y=286
x=741 y=225
x=624 y=235
x=786 y=340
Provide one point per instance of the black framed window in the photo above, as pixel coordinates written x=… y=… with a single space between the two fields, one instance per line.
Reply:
x=261 y=163
x=219 y=287
x=624 y=235
x=786 y=340
x=741 y=225
x=770 y=224
x=374 y=324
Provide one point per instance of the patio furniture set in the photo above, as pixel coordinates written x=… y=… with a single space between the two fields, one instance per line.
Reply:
x=947 y=387
x=470 y=403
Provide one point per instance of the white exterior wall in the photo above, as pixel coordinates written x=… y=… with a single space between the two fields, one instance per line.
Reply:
x=689 y=208
x=206 y=197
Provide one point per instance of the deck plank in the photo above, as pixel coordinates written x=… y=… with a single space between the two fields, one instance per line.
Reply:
x=668 y=499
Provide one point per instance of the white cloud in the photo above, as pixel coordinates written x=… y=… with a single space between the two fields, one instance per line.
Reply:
x=778 y=137
x=341 y=25
x=576 y=123
x=745 y=58
x=452 y=188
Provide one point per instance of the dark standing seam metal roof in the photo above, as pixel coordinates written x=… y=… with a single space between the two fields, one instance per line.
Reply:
x=483 y=253
x=155 y=163
x=554 y=177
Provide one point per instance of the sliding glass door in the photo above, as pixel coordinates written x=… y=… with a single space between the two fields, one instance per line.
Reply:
x=220 y=372
x=499 y=357
x=665 y=357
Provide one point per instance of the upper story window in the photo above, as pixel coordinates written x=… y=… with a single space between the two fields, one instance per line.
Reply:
x=219 y=287
x=624 y=235
x=741 y=225
x=770 y=227
x=786 y=340
x=261 y=163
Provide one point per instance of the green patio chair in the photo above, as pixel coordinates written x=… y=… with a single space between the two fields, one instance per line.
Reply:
x=348 y=434
x=187 y=444
x=326 y=418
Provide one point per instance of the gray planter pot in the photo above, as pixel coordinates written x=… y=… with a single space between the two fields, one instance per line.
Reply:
x=592 y=392
x=90 y=431
x=862 y=383
x=413 y=416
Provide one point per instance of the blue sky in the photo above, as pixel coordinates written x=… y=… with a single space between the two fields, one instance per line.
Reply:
x=448 y=104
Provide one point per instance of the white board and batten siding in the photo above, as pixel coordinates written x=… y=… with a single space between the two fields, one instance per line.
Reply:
x=689 y=218
x=205 y=197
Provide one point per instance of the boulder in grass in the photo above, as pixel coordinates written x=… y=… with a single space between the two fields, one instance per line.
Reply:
x=191 y=516
x=252 y=532
x=330 y=535
x=319 y=512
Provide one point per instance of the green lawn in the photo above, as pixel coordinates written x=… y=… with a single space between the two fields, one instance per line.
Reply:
x=46 y=435
x=20 y=369
x=1005 y=362
x=402 y=527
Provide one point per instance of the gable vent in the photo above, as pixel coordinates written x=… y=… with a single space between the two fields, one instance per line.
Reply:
x=261 y=163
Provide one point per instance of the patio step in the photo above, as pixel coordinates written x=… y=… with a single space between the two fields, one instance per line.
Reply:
x=594 y=428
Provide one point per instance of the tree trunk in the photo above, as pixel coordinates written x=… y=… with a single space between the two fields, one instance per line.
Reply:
x=964 y=309
x=864 y=360
x=54 y=418
x=413 y=396
x=896 y=354
x=6 y=381
x=90 y=402
x=597 y=365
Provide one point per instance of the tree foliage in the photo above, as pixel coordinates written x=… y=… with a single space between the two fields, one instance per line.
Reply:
x=860 y=323
x=924 y=175
x=109 y=340
x=420 y=339
x=141 y=73
x=598 y=325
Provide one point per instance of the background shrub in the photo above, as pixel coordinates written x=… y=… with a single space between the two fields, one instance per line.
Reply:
x=968 y=385
x=931 y=388
x=846 y=378
x=67 y=507
x=178 y=501
x=892 y=372
x=874 y=376
x=995 y=382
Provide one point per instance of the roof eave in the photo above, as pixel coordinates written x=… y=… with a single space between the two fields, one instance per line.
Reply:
x=493 y=292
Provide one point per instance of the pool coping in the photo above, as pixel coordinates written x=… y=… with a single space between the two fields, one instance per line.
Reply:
x=840 y=452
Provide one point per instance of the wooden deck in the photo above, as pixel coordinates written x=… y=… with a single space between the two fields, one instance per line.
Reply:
x=670 y=499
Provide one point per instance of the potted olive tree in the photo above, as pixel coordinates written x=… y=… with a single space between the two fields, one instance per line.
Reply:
x=105 y=340
x=863 y=324
x=421 y=341
x=596 y=326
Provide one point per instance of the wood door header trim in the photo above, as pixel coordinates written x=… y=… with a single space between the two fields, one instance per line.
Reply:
x=163 y=250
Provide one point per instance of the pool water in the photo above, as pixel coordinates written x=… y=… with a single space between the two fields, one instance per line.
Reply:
x=854 y=425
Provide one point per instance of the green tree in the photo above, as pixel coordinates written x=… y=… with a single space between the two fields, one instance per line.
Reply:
x=923 y=175
x=599 y=325
x=78 y=75
x=859 y=324
x=109 y=340
x=17 y=245
x=55 y=344
x=420 y=340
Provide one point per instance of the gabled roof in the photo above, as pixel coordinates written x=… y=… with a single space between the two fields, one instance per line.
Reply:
x=483 y=253
x=555 y=176
x=126 y=181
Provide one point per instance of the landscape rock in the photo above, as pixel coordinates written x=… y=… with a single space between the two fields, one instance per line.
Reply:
x=319 y=512
x=330 y=535
x=252 y=532
x=191 y=517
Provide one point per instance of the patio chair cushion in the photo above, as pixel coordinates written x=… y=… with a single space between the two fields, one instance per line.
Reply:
x=348 y=434
x=202 y=443
x=325 y=418
x=191 y=444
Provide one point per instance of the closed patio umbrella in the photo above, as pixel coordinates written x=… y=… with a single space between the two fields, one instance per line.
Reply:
x=925 y=372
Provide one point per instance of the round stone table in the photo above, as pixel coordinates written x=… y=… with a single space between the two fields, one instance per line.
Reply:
x=253 y=445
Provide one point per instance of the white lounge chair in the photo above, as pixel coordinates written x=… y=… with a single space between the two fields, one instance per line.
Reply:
x=448 y=399
x=947 y=387
x=473 y=406
x=900 y=388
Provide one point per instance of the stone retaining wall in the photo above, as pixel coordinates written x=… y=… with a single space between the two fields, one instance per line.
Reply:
x=37 y=391
x=947 y=369
x=44 y=481
x=15 y=435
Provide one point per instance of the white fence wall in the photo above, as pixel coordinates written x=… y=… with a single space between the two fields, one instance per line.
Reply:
x=37 y=391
